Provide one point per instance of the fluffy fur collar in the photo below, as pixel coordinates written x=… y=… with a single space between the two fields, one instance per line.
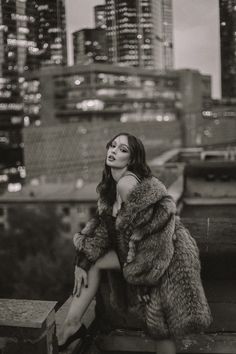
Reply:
x=147 y=193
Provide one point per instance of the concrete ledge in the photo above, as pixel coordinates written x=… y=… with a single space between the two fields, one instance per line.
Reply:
x=139 y=342
x=165 y=157
x=176 y=189
x=25 y=313
x=210 y=201
x=27 y=326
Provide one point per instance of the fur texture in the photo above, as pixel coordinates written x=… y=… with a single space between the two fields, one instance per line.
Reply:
x=157 y=252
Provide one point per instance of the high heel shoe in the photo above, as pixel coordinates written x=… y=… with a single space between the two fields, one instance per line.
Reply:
x=80 y=333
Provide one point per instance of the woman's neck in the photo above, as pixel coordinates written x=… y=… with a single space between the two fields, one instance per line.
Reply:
x=117 y=173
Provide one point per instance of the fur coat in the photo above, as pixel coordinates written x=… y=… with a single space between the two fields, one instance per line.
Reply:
x=157 y=253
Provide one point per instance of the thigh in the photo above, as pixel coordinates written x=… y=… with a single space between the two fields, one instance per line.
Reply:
x=109 y=261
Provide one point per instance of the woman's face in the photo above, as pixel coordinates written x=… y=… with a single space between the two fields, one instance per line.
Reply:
x=118 y=153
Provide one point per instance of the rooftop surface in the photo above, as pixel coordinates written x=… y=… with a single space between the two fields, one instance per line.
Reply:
x=52 y=192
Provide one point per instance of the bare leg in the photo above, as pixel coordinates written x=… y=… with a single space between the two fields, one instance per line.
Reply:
x=80 y=304
x=166 y=346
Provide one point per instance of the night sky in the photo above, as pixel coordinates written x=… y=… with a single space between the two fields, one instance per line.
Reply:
x=196 y=33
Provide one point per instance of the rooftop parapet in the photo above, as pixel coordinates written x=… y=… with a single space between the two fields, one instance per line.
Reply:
x=27 y=326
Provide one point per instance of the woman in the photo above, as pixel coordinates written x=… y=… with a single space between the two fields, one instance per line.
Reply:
x=137 y=232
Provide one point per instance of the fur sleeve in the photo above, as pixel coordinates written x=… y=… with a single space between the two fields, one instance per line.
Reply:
x=93 y=240
x=153 y=246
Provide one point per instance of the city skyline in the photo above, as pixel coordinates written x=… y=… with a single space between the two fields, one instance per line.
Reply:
x=193 y=19
x=228 y=47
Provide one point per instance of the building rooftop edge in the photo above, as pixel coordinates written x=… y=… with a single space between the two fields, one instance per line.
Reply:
x=109 y=68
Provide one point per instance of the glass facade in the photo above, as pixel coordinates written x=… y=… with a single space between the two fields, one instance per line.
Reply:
x=228 y=47
x=100 y=16
x=168 y=33
x=32 y=34
x=51 y=32
x=139 y=33
x=147 y=96
x=18 y=53
x=90 y=46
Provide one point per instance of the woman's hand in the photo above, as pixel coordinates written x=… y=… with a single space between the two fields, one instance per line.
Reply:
x=81 y=278
x=143 y=294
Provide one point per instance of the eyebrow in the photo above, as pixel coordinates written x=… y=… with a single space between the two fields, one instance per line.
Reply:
x=122 y=144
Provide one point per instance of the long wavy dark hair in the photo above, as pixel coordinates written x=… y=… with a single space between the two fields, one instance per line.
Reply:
x=138 y=165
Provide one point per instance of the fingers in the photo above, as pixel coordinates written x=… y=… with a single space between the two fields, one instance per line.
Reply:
x=73 y=291
x=85 y=279
x=144 y=298
x=75 y=287
x=78 y=289
x=81 y=278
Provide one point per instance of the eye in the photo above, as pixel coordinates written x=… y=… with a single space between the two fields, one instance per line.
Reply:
x=123 y=150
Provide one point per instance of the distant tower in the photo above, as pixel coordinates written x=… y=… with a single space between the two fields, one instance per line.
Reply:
x=18 y=53
x=100 y=16
x=167 y=23
x=228 y=47
x=32 y=34
x=90 y=46
x=139 y=33
x=51 y=32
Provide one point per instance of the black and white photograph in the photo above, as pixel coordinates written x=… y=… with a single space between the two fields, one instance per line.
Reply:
x=117 y=176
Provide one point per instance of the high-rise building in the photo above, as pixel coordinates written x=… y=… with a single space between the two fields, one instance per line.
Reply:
x=100 y=16
x=18 y=53
x=167 y=14
x=139 y=33
x=51 y=32
x=228 y=47
x=32 y=34
x=90 y=46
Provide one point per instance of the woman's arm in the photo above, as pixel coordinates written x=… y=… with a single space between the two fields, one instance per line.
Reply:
x=92 y=242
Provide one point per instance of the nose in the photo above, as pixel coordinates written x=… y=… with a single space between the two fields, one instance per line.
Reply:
x=113 y=150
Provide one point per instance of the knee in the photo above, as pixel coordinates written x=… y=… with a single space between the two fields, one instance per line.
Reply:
x=97 y=266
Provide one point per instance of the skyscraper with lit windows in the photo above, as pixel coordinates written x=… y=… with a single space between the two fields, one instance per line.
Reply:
x=51 y=32
x=100 y=16
x=167 y=25
x=90 y=46
x=32 y=34
x=139 y=33
x=18 y=52
x=228 y=47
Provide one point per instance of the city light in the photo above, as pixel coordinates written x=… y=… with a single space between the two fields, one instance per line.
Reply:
x=88 y=105
x=3 y=178
x=22 y=171
x=14 y=187
x=11 y=106
x=79 y=183
x=26 y=121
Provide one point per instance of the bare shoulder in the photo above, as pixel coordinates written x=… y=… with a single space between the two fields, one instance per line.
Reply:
x=125 y=185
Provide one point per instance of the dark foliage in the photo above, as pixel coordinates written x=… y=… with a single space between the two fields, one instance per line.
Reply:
x=36 y=261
